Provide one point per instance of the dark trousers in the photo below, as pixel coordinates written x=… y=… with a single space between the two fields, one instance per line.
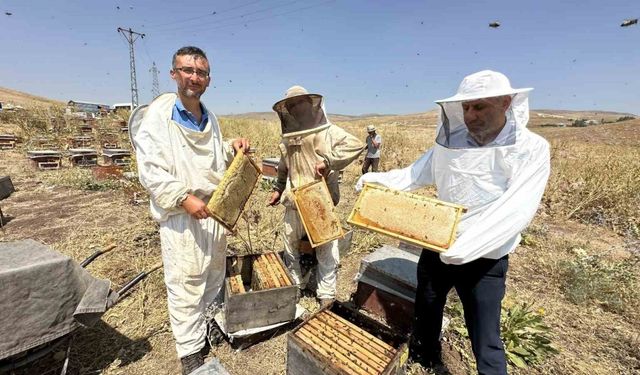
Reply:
x=373 y=162
x=480 y=285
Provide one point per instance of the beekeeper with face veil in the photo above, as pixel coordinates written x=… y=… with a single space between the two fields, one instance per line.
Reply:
x=487 y=160
x=311 y=148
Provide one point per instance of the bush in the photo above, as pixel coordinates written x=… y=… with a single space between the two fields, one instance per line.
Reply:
x=526 y=338
x=625 y=118
x=592 y=279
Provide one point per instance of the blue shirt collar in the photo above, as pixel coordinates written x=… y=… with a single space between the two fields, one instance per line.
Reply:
x=185 y=118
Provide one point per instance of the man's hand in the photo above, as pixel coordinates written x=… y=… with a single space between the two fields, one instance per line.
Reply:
x=241 y=144
x=195 y=207
x=275 y=198
x=321 y=169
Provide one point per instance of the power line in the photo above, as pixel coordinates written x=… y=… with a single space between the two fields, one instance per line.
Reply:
x=191 y=28
x=267 y=17
x=131 y=38
x=204 y=16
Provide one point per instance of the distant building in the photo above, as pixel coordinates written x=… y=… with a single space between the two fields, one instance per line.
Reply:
x=117 y=106
x=90 y=107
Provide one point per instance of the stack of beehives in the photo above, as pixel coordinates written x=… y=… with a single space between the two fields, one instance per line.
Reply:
x=346 y=346
x=268 y=272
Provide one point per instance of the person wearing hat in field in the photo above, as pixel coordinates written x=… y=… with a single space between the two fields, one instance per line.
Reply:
x=372 y=159
x=485 y=159
x=311 y=148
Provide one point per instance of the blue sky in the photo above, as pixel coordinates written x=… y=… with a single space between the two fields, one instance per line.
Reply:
x=363 y=56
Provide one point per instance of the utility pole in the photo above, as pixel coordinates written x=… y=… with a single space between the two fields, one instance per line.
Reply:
x=131 y=36
x=155 y=87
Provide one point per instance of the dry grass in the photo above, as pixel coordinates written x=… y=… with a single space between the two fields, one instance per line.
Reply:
x=591 y=204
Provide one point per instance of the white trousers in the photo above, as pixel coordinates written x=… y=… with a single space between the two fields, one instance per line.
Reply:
x=327 y=255
x=193 y=254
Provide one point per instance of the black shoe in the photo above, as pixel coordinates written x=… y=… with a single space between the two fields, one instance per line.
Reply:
x=215 y=336
x=191 y=362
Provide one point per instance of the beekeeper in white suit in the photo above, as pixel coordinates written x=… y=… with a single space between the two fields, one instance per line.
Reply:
x=311 y=148
x=485 y=159
x=181 y=159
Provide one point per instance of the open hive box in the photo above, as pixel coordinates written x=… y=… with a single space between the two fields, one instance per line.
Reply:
x=317 y=213
x=340 y=340
x=235 y=189
x=419 y=220
x=259 y=292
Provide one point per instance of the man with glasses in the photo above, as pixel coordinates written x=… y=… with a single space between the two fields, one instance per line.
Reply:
x=311 y=148
x=484 y=158
x=181 y=159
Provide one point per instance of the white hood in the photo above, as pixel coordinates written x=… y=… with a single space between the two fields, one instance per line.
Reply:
x=484 y=84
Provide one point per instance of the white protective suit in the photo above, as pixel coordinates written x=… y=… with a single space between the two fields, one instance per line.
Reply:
x=300 y=151
x=501 y=184
x=173 y=161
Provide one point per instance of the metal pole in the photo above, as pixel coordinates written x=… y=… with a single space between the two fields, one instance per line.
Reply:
x=131 y=36
x=155 y=87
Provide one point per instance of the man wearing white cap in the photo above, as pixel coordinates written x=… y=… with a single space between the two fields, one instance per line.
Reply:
x=311 y=148
x=372 y=159
x=485 y=159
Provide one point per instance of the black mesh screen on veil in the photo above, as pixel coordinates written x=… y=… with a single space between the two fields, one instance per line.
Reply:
x=301 y=113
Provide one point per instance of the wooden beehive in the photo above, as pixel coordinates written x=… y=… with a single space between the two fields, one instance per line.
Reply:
x=235 y=189
x=340 y=340
x=317 y=213
x=270 y=167
x=80 y=141
x=259 y=291
x=426 y=222
x=83 y=157
x=45 y=159
x=7 y=141
x=116 y=156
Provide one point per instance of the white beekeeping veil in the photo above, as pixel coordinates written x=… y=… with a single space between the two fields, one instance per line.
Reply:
x=480 y=85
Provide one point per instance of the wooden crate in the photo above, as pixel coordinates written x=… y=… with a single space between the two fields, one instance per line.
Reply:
x=258 y=308
x=317 y=213
x=419 y=220
x=239 y=181
x=340 y=340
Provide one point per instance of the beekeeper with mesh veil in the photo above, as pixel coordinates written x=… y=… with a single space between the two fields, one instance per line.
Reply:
x=181 y=160
x=311 y=148
x=485 y=159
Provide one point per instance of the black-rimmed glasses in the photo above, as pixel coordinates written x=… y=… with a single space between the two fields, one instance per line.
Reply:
x=189 y=71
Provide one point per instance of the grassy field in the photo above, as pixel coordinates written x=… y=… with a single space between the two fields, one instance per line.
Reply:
x=576 y=270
